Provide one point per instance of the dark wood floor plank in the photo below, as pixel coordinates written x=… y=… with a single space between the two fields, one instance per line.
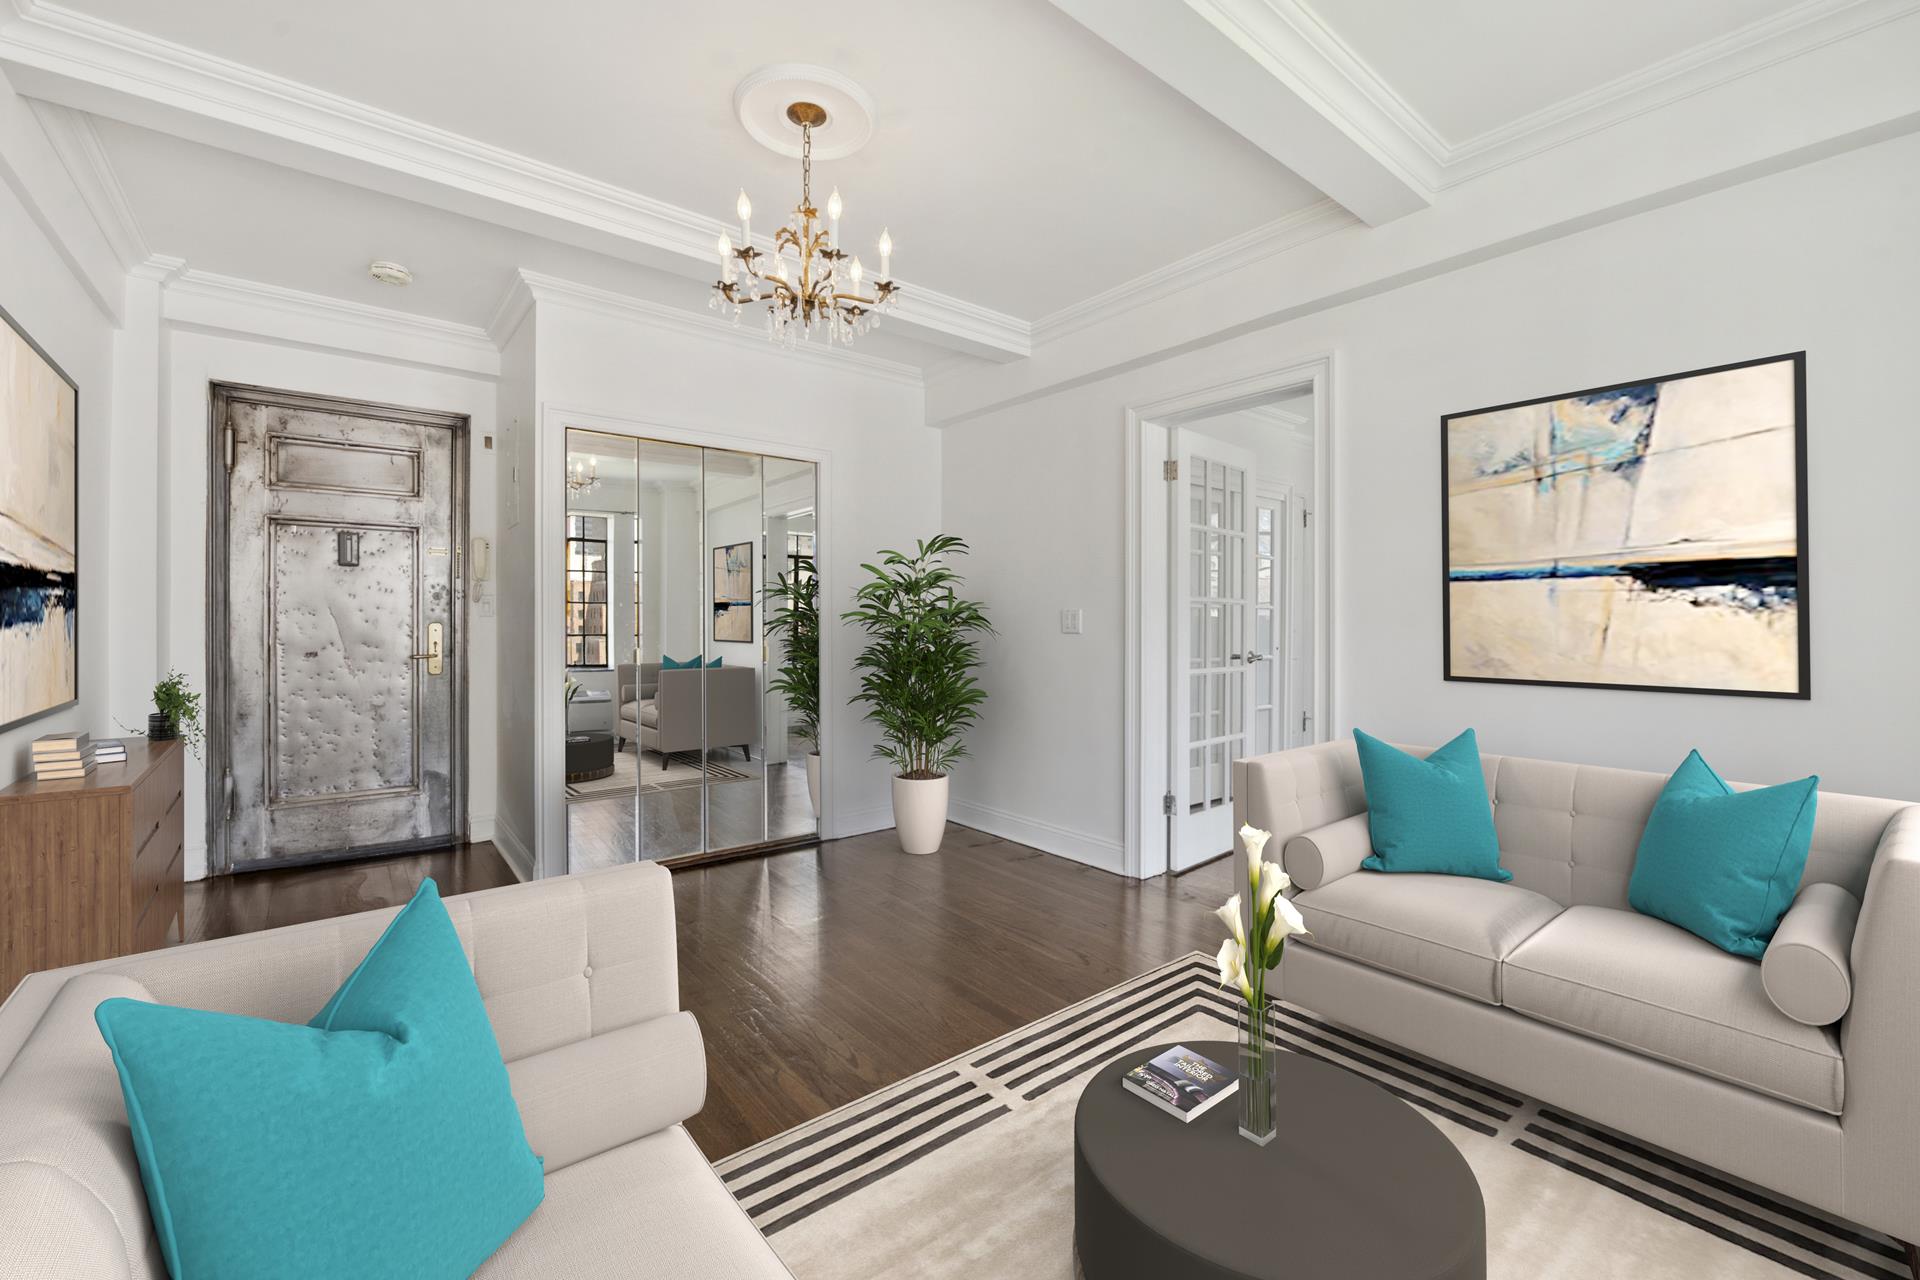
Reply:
x=822 y=974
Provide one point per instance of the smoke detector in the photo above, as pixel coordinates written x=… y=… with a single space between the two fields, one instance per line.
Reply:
x=390 y=273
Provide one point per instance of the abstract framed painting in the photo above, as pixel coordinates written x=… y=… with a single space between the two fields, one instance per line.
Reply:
x=39 y=519
x=733 y=593
x=1645 y=535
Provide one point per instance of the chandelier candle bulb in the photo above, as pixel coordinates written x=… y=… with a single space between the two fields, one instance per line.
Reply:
x=886 y=254
x=726 y=257
x=833 y=218
x=744 y=207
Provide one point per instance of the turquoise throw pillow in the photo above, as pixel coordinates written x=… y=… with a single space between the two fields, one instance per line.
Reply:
x=1432 y=814
x=379 y=1140
x=669 y=664
x=716 y=662
x=1720 y=863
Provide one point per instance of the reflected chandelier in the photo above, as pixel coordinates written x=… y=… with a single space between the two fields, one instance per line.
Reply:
x=808 y=279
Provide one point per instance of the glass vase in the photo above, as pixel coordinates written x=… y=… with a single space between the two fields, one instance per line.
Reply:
x=1259 y=1058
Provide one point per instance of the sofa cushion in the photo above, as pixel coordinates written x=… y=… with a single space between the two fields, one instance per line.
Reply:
x=1808 y=969
x=380 y=1139
x=1447 y=931
x=650 y=713
x=653 y=1209
x=1429 y=814
x=1654 y=988
x=596 y=1094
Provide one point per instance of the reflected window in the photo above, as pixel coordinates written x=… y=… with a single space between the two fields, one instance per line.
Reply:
x=800 y=556
x=587 y=591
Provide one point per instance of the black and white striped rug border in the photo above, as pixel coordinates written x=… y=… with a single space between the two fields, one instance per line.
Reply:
x=795 y=1174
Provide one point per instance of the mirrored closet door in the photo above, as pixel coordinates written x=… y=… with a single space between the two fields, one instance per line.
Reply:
x=692 y=658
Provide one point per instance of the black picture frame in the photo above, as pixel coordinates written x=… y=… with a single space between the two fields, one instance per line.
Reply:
x=78 y=543
x=1803 y=612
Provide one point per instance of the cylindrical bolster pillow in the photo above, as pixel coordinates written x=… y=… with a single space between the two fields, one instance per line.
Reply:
x=1805 y=968
x=1324 y=854
x=605 y=1091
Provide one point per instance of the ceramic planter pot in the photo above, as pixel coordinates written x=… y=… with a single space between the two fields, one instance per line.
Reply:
x=813 y=780
x=920 y=813
x=160 y=728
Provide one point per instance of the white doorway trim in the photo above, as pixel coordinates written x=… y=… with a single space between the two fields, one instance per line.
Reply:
x=550 y=499
x=1145 y=729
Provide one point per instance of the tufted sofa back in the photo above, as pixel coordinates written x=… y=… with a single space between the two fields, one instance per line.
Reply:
x=1569 y=831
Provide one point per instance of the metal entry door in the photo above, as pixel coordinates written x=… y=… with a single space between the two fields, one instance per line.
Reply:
x=342 y=691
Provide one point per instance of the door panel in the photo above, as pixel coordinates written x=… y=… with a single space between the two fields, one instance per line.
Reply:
x=342 y=562
x=1213 y=607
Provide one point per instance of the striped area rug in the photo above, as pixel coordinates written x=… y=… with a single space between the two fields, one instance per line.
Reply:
x=967 y=1168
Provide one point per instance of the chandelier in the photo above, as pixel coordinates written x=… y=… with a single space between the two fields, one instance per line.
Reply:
x=808 y=280
x=583 y=475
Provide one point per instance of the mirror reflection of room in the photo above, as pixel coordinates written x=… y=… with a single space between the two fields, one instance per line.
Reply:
x=694 y=748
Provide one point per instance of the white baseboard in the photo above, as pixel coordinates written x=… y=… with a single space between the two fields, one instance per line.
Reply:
x=857 y=822
x=513 y=849
x=1065 y=842
x=480 y=827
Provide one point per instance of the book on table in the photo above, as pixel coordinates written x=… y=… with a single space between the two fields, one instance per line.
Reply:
x=1180 y=1082
x=60 y=744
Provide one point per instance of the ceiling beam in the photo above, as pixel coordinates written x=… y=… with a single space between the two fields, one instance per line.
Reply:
x=1267 y=70
x=76 y=60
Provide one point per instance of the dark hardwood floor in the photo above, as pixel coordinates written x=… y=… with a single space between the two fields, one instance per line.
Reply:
x=822 y=974
x=221 y=906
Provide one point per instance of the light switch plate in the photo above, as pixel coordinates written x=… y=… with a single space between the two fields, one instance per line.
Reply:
x=1071 y=621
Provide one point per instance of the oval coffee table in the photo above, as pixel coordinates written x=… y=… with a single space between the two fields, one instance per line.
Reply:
x=1357 y=1186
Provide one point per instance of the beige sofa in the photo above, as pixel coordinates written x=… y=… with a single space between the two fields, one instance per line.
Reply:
x=580 y=979
x=1554 y=986
x=660 y=710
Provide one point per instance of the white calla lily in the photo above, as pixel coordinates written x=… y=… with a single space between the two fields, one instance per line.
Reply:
x=1287 y=920
x=1229 y=913
x=1232 y=962
x=1273 y=883
x=1255 y=841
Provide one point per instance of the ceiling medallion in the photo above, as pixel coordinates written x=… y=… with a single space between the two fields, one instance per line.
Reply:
x=808 y=280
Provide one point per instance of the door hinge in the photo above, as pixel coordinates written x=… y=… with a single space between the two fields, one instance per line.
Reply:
x=1166 y=804
x=1303 y=721
x=229 y=446
x=1170 y=469
x=1303 y=517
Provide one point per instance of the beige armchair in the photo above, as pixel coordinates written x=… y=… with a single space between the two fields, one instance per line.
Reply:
x=660 y=710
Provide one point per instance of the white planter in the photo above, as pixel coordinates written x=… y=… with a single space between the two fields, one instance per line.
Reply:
x=920 y=813
x=813 y=781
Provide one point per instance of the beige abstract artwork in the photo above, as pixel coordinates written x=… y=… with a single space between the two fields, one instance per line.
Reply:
x=1646 y=535
x=39 y=569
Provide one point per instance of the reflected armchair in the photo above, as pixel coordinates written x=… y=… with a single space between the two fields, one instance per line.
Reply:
x=660 y=710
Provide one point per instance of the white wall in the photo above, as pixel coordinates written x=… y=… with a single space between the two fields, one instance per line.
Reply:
x=193 y=361
x=514 y=552
x=884 y=466
x=1820 y=258
x=49 y=300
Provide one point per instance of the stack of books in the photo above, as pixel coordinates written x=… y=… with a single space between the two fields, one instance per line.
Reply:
x=64 y=755
x=110 y=751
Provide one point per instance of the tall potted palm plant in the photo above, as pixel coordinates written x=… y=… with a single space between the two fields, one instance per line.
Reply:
x=793 y=616
x=916 y=678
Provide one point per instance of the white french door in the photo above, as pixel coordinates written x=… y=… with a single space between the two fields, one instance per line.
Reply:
x=1211 y=695
x=1270 y=580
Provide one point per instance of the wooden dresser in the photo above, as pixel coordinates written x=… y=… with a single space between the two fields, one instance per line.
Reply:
x=92 y=867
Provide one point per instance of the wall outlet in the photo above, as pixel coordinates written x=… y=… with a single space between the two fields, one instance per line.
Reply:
x=1071 y=621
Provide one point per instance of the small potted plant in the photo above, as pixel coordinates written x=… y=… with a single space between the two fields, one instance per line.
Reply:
x=793 y=615
x=176 y=713
x=916 y=678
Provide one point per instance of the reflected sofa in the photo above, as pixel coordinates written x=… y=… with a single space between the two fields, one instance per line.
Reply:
x=1553 y=986
x=581 y=982
x=660 y=709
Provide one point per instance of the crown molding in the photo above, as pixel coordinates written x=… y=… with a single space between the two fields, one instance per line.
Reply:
x=1295 y=424
x=78 y=145
x=1289 y=231
x=206 y=300
x=57 y=52
x=1754 y=47
x=161 y=268
x=1295 y=45
x=533 y=287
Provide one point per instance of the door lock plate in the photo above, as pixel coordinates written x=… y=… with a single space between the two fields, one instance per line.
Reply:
x=436 y=661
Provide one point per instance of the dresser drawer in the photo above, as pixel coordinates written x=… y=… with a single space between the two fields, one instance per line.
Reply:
x=158 y=795
x=158 y=860
x=156 y=924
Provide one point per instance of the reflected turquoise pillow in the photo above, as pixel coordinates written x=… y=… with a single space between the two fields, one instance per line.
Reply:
x=670 y=664
x=716 y=662
x=1723 y=864
x=1429 y=815
x=381 y=1139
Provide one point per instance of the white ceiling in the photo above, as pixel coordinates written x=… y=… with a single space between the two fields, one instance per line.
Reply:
x=1470 y=66
x=1019 y=161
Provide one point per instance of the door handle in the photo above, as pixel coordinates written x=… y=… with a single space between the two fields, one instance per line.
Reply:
x=436 y=663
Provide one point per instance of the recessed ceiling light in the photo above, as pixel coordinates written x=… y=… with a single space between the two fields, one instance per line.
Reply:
x=390 y=273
